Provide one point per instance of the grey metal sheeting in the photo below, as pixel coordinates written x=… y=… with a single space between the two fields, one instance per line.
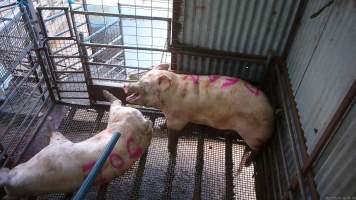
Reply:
x=335 y=171
x=244 y=26
x=321 y=64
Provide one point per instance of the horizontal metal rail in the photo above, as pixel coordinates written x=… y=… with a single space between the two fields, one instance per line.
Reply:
x=121 y=15
x=124 y=66
x=123 y=47
x=110 y=79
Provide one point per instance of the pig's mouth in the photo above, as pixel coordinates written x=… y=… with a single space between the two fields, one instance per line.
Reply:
x=133 y=97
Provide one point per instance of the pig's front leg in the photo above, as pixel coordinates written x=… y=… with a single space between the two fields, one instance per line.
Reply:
x=175 y=126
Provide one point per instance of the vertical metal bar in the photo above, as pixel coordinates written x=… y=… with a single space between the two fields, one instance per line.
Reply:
x=36 y=75
x=228 y=170
x=168 y=41
x=284 y=162
x=70 y=28
x=86 y=68
x=47 y=51
x=291 y=137
x=97 y=167
x=199 y=167
x=172 y=142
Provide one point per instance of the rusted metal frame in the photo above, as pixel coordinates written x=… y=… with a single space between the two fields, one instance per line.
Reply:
x=171 y=165
x=194 y=51
x=113 y=65
x=295 y=26
x=138 y=176
x=199 y=167
x=229 y=179
x=296 y=125
x=104 y=14
x=70 y=66
x=270 y=163
x=33 y=134
x=332 y=126
x=34 y=116
x=290 y=134
x=122 y=47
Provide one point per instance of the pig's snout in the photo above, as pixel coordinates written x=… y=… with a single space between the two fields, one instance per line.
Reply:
x=132 y=91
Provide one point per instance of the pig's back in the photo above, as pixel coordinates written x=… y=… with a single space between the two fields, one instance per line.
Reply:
x=225 y=103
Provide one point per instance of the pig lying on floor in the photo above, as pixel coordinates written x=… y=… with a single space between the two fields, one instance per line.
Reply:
x=218 y=101
x=62 y=165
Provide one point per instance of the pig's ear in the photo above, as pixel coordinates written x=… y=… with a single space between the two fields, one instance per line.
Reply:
x=164 y=82
x=162 y=66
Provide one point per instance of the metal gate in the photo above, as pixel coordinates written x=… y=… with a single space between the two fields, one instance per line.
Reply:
x=91 y=48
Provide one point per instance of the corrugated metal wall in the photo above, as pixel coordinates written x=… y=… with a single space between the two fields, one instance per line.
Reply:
x=322 y=63
x=335 y=171
x=243 y=26
x=322 y=68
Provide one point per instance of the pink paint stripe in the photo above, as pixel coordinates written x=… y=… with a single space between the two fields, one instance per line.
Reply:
x=133 y=153
x=87 y=167
x=213 y=78
x=116 y=161
x=194 y=78
x=229 y=82
x=252 y=89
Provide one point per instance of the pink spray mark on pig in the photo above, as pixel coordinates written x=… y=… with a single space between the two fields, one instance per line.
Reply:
x=213 y=78
x=194 y=78
x=116 y=161
x=87 y=167
x=229 y=82
x=133 y=153
x=252 y=89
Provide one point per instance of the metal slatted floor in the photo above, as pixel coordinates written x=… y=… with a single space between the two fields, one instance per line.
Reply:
x=204 y=166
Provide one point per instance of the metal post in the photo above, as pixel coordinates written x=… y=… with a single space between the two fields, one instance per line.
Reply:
x=37 y=51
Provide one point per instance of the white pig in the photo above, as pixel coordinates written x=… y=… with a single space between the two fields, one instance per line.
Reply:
x=63 y=165
x=218 y=101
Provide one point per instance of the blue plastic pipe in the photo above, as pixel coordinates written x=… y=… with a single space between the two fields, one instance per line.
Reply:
x=97 y=167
